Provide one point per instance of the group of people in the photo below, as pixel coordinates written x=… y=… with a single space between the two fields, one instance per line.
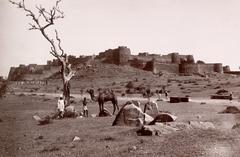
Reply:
x=61 y=107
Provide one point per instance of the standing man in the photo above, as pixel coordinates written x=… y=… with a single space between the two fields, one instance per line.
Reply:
x=60 y=107
x=166 y=94
x=85 y=109
x=231 y=96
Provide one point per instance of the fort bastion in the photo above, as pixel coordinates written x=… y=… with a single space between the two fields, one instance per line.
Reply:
x=157 y=63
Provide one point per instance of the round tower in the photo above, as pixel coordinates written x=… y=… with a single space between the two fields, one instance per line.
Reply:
x=190 y=59
x=226 y=69
x=175 y=58
x=218 y=68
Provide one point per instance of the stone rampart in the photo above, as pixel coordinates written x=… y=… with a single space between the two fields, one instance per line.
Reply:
x=200 y=68
x=118 y=56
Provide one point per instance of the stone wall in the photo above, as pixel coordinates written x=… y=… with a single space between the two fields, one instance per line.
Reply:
x=167 y=67
x=157 y=67
x=118 y=56
x=188 y=68
x=137 y=63
x=200 y=68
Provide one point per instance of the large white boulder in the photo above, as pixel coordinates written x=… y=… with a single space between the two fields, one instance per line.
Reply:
x=131 y=115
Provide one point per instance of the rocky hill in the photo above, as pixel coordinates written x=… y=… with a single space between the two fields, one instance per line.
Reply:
x=117 y=68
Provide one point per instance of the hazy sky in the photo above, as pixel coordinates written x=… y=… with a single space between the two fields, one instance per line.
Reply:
x=208 y=29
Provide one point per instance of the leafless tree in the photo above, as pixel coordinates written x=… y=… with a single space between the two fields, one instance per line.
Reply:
x=41 y=21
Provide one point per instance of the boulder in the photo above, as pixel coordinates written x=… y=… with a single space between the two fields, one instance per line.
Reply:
x=162 y=118
x=104 y=113
x=70 y=111
x=231 y=109
x=131 y=115
x=153 y=109
x=42 y=121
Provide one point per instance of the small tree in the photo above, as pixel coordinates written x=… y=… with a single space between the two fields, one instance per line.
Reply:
x=41 y=21
x=3 y=89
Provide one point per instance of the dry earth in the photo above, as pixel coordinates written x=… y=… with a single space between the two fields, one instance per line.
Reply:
x=21 y=136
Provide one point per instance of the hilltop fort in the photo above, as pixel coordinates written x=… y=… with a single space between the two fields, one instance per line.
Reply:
x=156 y=63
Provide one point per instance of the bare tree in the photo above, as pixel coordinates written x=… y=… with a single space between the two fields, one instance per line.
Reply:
x=42 y=20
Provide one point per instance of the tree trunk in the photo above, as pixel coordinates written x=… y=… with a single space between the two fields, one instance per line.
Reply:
x=66 y=83
x=66 y=92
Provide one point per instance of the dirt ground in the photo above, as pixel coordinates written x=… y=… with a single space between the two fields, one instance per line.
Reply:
x=20 y=135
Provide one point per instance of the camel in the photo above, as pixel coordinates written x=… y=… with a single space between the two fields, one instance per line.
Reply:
x=104 y=96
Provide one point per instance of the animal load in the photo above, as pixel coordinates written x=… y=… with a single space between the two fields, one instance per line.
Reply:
x=179 y=99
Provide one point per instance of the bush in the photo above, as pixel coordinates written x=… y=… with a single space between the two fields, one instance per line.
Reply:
x=3 y=89
x=130 y=85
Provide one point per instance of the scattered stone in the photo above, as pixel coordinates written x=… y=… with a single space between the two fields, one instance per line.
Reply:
x=38 y=137
x=93 y=115
x=49 y=148
x=132 y=148
x=71 y=145
x=198 y=116
x=76 y=138
x=162 y=118
x=201 y=125
x=179 y=125
x=236 y=126
x=42 y=121
x=157 y=129
x=104 y=113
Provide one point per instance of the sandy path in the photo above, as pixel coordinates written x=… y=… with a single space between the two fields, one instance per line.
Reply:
x=192 y=99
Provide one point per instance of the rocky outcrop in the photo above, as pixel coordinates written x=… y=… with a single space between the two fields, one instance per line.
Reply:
x=131 y=115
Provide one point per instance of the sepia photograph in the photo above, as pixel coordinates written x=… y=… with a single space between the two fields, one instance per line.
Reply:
x=119 y=78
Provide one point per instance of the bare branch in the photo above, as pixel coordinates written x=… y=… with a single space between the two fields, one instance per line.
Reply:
x=33 y=27
x=41 y=21
x=59 y=43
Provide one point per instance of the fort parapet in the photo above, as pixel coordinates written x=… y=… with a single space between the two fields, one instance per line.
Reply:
x=157 y=63
x=118 y=56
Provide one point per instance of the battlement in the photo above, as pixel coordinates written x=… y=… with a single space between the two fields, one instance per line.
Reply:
x=118 y=56
x=172 y=63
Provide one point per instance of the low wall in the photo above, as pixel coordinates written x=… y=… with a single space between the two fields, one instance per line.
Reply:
x=200 y=68
x=233 y=72
x=205 y=68
x=188 y=68
x=172 y=68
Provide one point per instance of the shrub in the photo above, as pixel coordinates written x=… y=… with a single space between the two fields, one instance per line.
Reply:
x=3 y=89
x=129 y=84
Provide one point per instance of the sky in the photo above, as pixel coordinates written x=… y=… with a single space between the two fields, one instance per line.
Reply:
x=207 y=29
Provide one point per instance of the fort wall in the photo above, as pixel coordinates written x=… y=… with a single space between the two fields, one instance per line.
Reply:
x=118 y=56
x=167 y=67
x=200 y=68
x=172 y=62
